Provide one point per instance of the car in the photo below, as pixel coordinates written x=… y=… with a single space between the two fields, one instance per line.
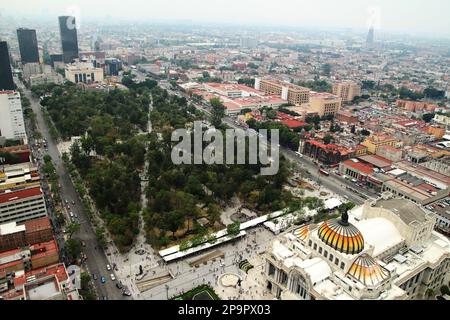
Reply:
x=103 y=279
x=71 y=214
x=119 y=285
x=113 y=277
x=108 y=267
x=126 y=293
x=83 y=243
x=94 y=276
x=66 y=201
x=73 y=202
x=105 y=298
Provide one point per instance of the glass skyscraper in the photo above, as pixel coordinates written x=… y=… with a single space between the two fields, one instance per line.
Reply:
x=6 y=78
x=69 y=40
x=28 y=45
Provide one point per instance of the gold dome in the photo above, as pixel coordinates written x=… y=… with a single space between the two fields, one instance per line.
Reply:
x=341 y=236
x=367 y=271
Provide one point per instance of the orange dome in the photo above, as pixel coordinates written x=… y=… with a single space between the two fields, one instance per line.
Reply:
x=302 y=232
x=367 y=271
x=341 y=236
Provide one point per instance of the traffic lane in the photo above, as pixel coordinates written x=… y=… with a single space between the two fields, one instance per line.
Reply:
x=96 y=262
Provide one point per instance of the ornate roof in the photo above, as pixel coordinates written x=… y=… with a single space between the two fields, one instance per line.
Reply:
x=367 y=271
x=341 y=236
x=302 y=232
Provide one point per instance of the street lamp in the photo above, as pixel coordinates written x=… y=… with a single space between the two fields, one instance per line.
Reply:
x=167 y=291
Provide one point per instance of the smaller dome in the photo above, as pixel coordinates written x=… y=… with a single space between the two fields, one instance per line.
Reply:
x=367 y=271
x=302 y=232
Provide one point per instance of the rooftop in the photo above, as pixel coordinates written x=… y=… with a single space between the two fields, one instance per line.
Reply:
x=406 y=210
x=21 y=194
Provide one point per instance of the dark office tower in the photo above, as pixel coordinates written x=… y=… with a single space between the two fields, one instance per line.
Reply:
x=6 y=78
x=28 y=46
x=69 y=41
x=370 y=37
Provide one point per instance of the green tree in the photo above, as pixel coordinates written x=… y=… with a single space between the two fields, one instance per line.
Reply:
x=445 y=290
x=427 y=117
x=73 y=248
x=72 y=228
x=217 y=113
x=327 y=139
x=234 y=228
x=173 y=221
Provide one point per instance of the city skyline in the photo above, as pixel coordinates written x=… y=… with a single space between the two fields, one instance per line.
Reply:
x=414 y=17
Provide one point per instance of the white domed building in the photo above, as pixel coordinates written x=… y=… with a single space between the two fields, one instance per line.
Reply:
x=381 y=250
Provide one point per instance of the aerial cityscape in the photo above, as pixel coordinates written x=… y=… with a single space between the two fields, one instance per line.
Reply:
x=235 y=152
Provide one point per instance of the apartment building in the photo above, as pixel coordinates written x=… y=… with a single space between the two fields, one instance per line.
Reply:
x=375 y=141
x=14 y=235
x=22 y=205
x=12 y=125
x=324 y=104
x=292 y=93
x=18 y=176
x=347 y=90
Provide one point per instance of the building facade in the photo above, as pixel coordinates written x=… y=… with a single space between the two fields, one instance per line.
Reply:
x=22 y=205
x=6 y=79
x=83 y=72
x=69 y=39
x=292 y=93
x=325 y=104
x=28 y=45
x=347 y=90
x=12 y=125
x=375 y=141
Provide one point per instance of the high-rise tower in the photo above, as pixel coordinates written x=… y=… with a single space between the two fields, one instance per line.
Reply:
x=69 y=40
x=6 y=78
x=28 y=45
x=370 y=37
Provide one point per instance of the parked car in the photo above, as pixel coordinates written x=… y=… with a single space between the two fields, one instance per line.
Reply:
x=73 y=202
x=94 y=276
x=103 y=279
x=113 y=277
x=108 y=267
x=126 y=293
x=119 y=285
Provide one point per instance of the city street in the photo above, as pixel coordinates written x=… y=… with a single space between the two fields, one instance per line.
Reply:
x=96 y=258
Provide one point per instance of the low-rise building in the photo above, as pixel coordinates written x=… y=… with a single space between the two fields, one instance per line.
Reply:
x=81 y=71
x=13 y=235
x=325 y=104
x=287 y=91
x=328 y=154
x=346 y=116
x=22 y=205
x=377 y=140
x=47 y=283
x=14 y=177
x=391 y=153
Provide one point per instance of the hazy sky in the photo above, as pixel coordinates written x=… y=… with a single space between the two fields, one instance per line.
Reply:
x=415 y=16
